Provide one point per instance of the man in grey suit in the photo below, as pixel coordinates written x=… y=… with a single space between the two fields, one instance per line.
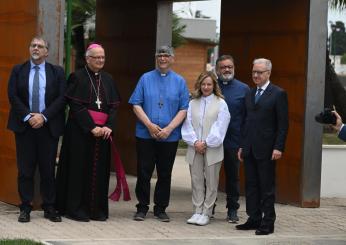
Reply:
x=262 y=143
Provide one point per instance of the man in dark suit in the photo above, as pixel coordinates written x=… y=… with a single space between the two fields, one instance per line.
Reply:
x=262 y=143
x=36 y=95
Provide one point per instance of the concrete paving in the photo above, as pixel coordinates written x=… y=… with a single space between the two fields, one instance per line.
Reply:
x=294 y=226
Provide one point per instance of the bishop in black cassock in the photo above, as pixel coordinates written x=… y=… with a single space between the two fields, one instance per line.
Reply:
x=84 y=165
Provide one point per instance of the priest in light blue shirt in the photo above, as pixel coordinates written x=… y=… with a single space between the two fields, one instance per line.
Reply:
x=160 y=101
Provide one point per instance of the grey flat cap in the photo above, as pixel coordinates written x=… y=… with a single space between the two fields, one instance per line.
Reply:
x=165 y=50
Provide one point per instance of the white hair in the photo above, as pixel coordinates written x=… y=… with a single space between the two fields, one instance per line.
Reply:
x=267 y=62
x=89 y=51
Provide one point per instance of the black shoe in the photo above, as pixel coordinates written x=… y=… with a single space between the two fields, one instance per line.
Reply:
x=162 y=216
x=265 y=230
x=213 y=211
x=248 y=225
x=52 y=215
x=139 y=216
x=77 y=218
x=24 y=217
x=100 y=217
x=232 y=216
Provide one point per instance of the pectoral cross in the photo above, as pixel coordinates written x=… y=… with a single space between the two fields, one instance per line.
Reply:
x=98 y=102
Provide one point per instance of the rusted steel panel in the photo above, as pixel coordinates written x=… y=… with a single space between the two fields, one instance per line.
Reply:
x=130 y=49
x=21 y=20
x=17 y=23
x=276 y=30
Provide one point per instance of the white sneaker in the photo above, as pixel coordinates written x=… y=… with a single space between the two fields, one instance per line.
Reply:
x=203 y=220
x=193 y=219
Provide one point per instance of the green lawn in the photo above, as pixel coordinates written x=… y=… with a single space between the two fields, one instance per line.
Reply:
x=332 y=139
x=18 y=242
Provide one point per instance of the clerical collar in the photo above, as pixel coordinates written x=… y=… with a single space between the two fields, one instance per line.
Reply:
x=163 y=74
x=91 y=72
x=226 y=82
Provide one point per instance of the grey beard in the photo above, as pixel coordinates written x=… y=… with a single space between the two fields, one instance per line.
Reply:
x=226 y=79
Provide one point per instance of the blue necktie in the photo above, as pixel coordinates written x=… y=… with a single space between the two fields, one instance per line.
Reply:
x=258 y=95
x=35 y=106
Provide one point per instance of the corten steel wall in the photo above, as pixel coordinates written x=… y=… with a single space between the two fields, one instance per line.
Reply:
x=128 y=33
x=20 y=21
x=17 y=23
x=279 y=30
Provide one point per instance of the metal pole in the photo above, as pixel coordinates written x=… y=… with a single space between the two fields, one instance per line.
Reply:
x=68 y=37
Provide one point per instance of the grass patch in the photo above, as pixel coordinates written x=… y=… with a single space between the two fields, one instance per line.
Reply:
x=332 y=139
x=182 y=144
x=19 y=242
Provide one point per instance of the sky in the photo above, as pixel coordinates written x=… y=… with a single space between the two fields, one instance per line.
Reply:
x=212 y=9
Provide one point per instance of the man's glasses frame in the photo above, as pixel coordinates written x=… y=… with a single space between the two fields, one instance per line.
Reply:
x=36 y=45
x=97 y=57
x=259 y=72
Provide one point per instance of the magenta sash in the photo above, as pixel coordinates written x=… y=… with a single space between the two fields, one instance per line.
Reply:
x=100 y=118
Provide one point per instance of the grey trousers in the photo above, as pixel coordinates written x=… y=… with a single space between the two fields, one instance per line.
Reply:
x=204 y=183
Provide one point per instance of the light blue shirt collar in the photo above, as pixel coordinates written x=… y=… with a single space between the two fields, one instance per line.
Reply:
x=42 y=65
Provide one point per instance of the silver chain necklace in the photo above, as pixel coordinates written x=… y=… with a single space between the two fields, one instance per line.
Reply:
x=98 y=102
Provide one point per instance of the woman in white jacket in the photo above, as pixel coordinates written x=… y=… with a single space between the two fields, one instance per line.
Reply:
x=204 y=130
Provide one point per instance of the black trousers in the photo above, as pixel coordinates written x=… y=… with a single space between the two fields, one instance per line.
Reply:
x=260 y=189
x=36 y=147
x=231 y=167
x=151 y=153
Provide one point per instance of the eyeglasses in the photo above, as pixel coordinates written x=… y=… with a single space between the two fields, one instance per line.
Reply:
x=163 y=56
x=226 y=67
x=35 y=45
x=258 y=72
x=97 y=57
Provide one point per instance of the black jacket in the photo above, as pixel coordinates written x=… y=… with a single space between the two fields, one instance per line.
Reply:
x=18 y=94
x=266 y=123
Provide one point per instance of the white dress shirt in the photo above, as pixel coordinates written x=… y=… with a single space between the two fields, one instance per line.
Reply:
x=218 y=130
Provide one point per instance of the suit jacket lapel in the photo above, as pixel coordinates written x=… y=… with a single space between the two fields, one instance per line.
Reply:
x=266 y=93
x=49 y=79
x=25 y=79
x=253 y=93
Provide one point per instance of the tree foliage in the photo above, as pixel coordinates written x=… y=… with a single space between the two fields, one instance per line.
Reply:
x=337 y=38
x=337 y=4
x=335 y=93
x=177 y=30
x=82 y=10
x=343 y=59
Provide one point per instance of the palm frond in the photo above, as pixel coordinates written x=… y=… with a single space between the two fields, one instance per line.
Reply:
x=337 y=4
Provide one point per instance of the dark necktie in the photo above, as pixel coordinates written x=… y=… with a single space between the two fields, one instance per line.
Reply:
x=35 y=106
x=258 y=95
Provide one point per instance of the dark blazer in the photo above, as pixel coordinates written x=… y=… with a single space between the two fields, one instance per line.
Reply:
x=342 y=133
x=266 y=123
x=18 y=94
